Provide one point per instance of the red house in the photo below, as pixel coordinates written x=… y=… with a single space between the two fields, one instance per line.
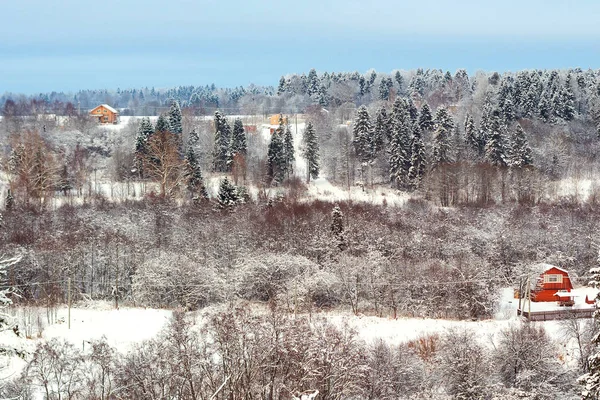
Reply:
x=552 y=280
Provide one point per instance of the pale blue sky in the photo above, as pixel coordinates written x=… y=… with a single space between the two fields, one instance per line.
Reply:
x=68 y=44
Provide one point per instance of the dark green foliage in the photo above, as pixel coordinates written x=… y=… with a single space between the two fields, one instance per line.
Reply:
x=288 y=150
x=175 y=118
x=221 y=150
x=441 y=137
x=238 y=140
x=425 y=118
x=162 y=124
x=193 y=176
x=520 y=151
x=311 y=151
x=276 y=162
x=400 y=144
x=362 y=135
x=227 y=196
x=381 y=132
x=417 y=161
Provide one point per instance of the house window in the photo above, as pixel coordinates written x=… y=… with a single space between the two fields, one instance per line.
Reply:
x=553 y=278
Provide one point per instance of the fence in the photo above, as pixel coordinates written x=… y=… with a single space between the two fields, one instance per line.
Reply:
x=557 y=314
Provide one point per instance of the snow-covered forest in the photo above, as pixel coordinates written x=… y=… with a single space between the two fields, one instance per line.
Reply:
x=258 y=217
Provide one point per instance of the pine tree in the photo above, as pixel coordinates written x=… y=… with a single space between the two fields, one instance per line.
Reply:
x=362 y=135
x=145 y=131
x=313 y=83
x=381 y=132
x=238 y=139
x=221 y=151
x=175 y=118
x=311 y=151
x=9 y=201
x=417 y=161
x=399 y=81
x=495 y=149
x=162 y=124
x=227 y=196
x=288 y=151
x=276 y=155
x=425 y=118
x=520 y=151
x=471 y=135
x=193 y=176
x=441 y=137
x=400 y=144
x=281 y=86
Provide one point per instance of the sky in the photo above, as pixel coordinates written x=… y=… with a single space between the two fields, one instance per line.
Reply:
x=68 y=45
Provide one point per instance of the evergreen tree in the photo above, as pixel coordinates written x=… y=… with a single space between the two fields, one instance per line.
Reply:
x=238 y=139
x=313 y=83
x=145 y=131
x=441 y=137
x=495 y=149
x=425 y=118
x=276 y=162
x=381 y=132
x=162 y=124
x=417 y=161
x=193 y=176
x=221 y=151
x=311 y=151
x=412 y=110
x=545 y=107
x=281 y=86
x=362 y=135
x=9 y=201
x=568 y=101
x=337 y=227
x=227 y=196
x=288 y=150
x=520 y=151
x=400 y=144
x=399 y=81
x=471 y=135
x=337 y=221
x=385 y=86
x=175 y=118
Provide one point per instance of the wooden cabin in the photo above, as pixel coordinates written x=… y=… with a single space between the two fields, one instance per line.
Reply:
x=551 y=283
x=105 y=114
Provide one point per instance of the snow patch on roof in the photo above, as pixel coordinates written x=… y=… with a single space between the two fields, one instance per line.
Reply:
x=543 y=267
x=109 y=108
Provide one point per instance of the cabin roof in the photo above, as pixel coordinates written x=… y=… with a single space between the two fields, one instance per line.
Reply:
x=109 y=108
x=544 y=267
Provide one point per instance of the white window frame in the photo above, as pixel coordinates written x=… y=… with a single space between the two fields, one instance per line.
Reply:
x=553 y=278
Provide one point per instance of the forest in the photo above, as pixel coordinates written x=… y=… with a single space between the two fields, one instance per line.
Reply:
x=198 y=204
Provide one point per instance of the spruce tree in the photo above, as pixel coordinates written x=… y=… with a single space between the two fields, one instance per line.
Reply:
x=9 y=201
x=162 y=124
x=400 y=144
x=221 y=150
x=495 y=148
x=276 y=156
x=313 y=83
x=175 y=118
x=193 y=176
x=471 y=135
x=520 y=151
x=337 y=227
x=425 y=118
x=417 y=161
x=381 y=132
x=362 y=135
x=412 y=110
x=399 y=81
x=288 y=150
x=145 y=131
x=238 y=139
x=568 y=101
x=311 y=151
x=227 y=196
x=281 y=86
x=441 y=137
